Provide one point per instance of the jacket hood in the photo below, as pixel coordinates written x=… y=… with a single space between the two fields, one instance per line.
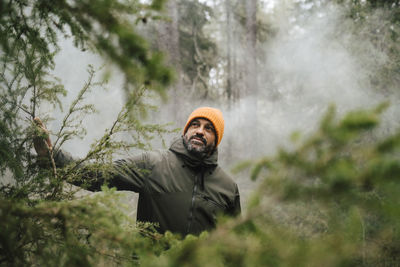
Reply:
x=191 y=160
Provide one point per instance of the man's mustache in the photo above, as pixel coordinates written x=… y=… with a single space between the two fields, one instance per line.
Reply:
x=199 y=137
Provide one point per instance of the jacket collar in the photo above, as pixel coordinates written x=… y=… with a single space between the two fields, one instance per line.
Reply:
x=178 y=148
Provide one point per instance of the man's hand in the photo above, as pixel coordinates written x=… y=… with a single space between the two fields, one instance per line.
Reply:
x=42 y=143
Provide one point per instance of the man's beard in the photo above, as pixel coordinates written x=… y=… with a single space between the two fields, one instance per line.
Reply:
x=198 y=151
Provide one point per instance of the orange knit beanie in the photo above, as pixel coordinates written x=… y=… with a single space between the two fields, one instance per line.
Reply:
x=212 y=114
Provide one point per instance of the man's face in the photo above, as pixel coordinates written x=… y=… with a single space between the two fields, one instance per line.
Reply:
x=200 y=137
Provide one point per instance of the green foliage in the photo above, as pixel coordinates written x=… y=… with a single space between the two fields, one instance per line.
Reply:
x=41 y=224
x=332 y=201
x=29 y=32
x=91 y=231
x=382 y=18
x=376 y=22
x=101 y=25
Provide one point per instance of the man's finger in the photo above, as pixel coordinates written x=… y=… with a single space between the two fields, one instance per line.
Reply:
x=39 y=123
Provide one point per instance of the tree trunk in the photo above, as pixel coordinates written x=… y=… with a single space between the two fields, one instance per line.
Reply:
x=251 y=41
x=168 y=41
x=251 y=75
x=229 y=70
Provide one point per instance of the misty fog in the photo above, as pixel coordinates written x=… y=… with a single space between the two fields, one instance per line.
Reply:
x=312 y=61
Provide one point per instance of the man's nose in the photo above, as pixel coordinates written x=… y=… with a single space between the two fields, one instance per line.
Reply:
x=200 y=130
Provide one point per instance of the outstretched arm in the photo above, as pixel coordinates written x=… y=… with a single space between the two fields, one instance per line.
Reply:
x=123 y=174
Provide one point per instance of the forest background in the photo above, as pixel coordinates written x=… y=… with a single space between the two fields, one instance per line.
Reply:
x=328 y=197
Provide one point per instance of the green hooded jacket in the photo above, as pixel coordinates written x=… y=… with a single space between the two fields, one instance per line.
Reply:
x=179 y=192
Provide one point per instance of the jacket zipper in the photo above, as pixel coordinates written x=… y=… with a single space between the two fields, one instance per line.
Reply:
x=192 y=205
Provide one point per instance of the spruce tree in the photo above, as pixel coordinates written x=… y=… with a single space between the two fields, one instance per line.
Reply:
x=41 y=224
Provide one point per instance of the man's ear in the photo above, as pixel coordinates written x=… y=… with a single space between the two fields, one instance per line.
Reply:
x=216 y=137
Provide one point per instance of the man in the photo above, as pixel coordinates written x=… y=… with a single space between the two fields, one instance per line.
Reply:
x=181 y=189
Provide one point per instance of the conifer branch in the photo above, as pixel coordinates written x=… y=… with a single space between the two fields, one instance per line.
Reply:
x=34 y=102
x=73 y=108
x=58 y=186
x=19 y=107
x=106 y=137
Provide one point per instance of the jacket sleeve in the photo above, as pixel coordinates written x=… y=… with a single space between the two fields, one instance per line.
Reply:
x=127 y=174
x=130 y=174
x=235 y=208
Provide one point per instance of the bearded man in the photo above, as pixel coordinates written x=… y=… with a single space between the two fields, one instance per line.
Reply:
x=182 y=189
